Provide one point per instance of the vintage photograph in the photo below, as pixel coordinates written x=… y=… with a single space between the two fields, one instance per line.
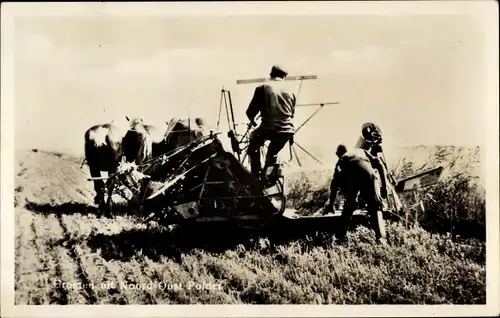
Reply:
x=251 y=158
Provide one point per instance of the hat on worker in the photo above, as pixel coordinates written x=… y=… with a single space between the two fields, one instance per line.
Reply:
x=341 y=150
x=371 y=132
x=199 y=121
x=278 y=71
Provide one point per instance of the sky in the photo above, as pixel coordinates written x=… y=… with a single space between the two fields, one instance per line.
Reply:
x=421 y=78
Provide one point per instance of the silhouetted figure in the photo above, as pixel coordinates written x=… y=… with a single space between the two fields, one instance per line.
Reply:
x=277 y=107
x=355 y=174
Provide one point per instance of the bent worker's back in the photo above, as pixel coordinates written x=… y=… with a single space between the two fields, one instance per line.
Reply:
x=357 y=166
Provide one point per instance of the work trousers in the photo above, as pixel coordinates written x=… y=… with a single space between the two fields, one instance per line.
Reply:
x=257 y=139
x=361 y=180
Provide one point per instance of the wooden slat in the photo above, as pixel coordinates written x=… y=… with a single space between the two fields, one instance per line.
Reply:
x=420 y=180
x=288 y=78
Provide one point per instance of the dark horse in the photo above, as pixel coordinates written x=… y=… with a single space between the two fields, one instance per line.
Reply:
x=143 y=142
x=103 y=151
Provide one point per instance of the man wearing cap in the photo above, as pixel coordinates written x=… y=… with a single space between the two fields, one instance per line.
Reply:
x=276 y=105
x=371 y=141
x=355 y=175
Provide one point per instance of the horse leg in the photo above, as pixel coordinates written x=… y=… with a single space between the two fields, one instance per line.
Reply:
x=107 y=206
x=95 y=172
x=114 y=161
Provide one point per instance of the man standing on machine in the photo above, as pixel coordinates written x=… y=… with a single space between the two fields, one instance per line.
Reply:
x=276 y=105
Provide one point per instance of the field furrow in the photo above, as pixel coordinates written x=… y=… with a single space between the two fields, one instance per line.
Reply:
x=45 y=260
x=86 y=288
x=70 y=275
x=31 y=284
x=68 y=175
x=50 y=235
x=105 y=280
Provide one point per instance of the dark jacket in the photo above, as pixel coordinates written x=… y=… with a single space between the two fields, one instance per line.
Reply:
x=276 y=105
x=354 y=172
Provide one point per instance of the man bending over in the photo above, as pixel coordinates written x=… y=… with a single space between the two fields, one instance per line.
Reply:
x=355 y=175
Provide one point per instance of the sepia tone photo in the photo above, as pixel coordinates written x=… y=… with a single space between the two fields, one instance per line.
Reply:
x=249 y=158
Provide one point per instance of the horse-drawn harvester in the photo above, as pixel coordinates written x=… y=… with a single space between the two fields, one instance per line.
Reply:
x=200 y=181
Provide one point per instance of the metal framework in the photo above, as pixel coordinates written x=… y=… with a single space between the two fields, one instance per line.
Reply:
x=239 y=139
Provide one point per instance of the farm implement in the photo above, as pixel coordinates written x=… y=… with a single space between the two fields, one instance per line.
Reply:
x=201 y=183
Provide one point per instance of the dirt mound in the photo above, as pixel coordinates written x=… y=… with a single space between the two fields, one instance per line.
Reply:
x=44 y=179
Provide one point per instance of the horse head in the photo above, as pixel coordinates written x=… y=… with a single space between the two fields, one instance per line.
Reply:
x=182 y=131
x=142 y=142
x=136 y=121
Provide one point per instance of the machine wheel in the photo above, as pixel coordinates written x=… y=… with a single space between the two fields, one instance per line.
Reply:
x=277 y=195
